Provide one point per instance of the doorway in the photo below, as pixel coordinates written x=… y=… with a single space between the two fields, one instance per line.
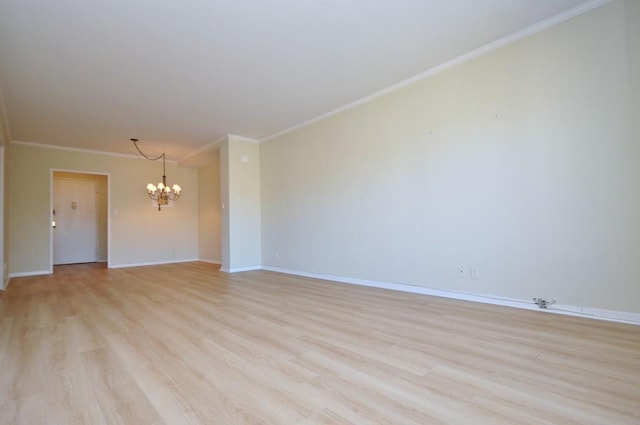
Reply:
x=79 y=218
x=75 y=221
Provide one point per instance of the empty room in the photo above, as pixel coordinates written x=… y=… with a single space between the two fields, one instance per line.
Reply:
x=298 y=213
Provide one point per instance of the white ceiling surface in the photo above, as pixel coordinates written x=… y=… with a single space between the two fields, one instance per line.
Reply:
x=181 y=75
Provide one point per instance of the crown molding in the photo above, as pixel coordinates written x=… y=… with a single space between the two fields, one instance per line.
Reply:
x=216 y=143
x=81 y=150
x=204 y=148
x=242 y=138
x=494 y=45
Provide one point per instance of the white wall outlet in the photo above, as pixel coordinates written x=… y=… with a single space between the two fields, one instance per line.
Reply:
x=474 y=273
x=277 y=255
x=462 y=273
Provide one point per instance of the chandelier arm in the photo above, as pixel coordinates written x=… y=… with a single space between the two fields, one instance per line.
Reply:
x=135 y=143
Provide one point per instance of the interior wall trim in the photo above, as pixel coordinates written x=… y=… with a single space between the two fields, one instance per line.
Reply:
x=32 y=273
x=240 y=269
x=82 y=150
x=203 y=260
x=151 y=263
x=494 y=45
x=569 y=310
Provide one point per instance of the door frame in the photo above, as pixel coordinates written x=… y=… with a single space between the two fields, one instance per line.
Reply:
x=96 y=201
x=50 y=215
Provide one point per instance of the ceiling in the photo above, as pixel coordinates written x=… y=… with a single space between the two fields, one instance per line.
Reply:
x=180 y=75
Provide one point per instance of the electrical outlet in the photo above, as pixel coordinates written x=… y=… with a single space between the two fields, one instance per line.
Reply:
x=462 y=273
x=474 y=273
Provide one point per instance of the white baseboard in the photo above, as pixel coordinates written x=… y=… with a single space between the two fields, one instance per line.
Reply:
x=570 y=310
x=594 y=313
x=23 y=274
x=240 y=269
x=217 y=262
x=152 y=263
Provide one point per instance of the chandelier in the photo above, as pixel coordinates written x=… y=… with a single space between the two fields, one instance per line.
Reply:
x=162 y=193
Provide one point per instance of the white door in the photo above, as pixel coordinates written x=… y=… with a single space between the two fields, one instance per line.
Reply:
x=75 y=217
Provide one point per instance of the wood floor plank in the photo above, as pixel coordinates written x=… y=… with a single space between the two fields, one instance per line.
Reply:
x=71 y=399
x=187 y=344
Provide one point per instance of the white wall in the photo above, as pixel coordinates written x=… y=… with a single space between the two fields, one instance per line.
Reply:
x=523 y=163
x=209 y=210
x=139 y=232
x=240 y=193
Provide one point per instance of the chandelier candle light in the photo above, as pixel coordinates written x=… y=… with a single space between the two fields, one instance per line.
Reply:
x=163 y=193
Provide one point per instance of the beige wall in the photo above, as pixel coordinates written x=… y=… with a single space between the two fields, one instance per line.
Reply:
x=102 y=208
x=139 y=232
x=209 y=210
x=523 y=164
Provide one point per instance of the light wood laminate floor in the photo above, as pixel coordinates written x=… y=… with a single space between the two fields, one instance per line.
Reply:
x=186 y=344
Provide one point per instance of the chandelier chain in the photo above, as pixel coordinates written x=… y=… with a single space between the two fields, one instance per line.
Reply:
x=161 y=193
x=135 y=143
